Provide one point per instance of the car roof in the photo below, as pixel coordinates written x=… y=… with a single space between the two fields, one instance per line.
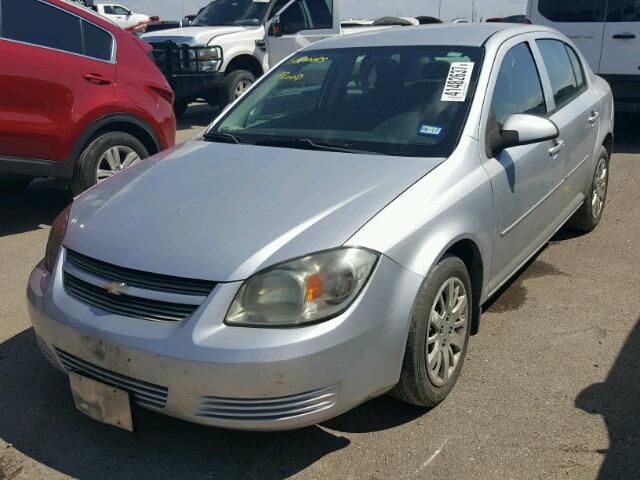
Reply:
x=471 y=35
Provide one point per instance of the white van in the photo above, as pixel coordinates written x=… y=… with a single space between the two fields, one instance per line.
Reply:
x=607 y=32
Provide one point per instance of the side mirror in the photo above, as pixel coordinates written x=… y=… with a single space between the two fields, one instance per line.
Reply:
x=522 y=129
x=276 y=27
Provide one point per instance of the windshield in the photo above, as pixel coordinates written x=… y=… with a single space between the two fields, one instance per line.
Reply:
x=404 y=101
x=244 y=13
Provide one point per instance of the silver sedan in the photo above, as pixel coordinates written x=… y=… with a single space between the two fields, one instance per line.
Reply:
x=332 y=236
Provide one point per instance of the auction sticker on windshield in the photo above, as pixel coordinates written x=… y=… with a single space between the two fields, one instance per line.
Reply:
x=457 y=85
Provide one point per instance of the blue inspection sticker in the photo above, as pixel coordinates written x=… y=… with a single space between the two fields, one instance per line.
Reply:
x=430 y=130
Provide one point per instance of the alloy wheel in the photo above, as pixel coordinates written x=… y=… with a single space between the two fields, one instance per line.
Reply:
x=114 y=160
x=446 y=333
x=242 y=87
x=599 y=191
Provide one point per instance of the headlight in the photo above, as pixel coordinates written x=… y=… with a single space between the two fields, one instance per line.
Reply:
x=205 y=59
x=302 y=291
x=56 y=235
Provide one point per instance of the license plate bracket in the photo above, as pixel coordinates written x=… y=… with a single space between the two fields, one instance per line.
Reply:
x=101 y=402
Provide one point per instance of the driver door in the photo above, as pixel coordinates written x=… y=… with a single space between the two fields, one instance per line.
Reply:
x=301 y=23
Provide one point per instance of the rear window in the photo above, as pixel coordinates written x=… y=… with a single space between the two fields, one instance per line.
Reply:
x=403 y=101
x=97 y=43
x=561 y=71
x=40 y=24
x=573 y=10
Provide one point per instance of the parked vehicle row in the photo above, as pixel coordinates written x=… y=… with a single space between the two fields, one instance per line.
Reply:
x=80 y=98
x=332 y=236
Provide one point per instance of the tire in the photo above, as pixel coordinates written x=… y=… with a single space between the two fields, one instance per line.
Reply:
x=85 y=173
x=13 y=183
x=420 y=385
x=179 y=108
x=232 y=87
x=587 y=218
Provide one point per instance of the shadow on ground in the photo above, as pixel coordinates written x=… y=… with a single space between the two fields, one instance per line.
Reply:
x=37 y=205
x=626 y=134
x=197 y=115
x=618 y=401
x=39 y=419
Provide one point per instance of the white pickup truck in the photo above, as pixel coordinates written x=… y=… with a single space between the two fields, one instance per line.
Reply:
x=119 y=14
x=231 y=43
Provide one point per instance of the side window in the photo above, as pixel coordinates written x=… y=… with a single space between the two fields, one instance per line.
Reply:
x=560 y=70
x=118 y=10
x=40 y=24
x=578 y=70
x=518 y=87
x=307 y=15
x=573 y=10
x=97 y=43
x=623 y=11
x=108 y=10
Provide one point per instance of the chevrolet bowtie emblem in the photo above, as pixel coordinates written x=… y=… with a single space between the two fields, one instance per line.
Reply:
x=116 y=288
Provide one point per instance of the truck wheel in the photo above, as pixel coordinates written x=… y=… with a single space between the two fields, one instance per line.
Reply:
x=438 y=335
x=13 y=183
x=234 y=86
x=179 y=108
x=105 y=156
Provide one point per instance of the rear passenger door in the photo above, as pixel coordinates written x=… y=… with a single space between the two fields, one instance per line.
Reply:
x=302 y=22
x=521 y=177
x=576 y=113
x=55 y=68
x=621 y=47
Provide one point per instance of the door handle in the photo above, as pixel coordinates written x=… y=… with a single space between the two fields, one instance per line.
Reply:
x=555 y=150
x=261 y=44
x=624 y=36
x=96 y=79
x=593 y=119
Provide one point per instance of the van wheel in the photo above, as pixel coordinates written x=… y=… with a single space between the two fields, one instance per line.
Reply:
x=590 y=213
x=13 y=183
x=438 y=335
x=104 y=157
x=235 y=85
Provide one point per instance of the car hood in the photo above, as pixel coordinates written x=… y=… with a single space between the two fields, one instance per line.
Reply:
x=222 y=212
x=192 y=36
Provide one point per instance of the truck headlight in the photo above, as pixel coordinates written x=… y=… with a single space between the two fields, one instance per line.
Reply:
x=303 y=291
x=207 y=59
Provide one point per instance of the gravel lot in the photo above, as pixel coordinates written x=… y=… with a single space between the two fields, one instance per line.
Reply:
x=550 y=388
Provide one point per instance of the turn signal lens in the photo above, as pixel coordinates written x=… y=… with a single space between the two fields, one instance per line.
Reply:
x=56 y=235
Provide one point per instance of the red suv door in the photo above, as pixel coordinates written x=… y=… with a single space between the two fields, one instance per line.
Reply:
x=50 y=82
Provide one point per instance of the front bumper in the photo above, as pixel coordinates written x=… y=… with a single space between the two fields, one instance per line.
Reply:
x=188 y=87
x=205 y=372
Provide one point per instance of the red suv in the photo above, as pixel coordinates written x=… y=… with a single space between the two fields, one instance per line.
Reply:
x=80 y=98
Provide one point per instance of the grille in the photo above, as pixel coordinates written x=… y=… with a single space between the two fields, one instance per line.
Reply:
x=136 y=278
x=280 y=408
x=126 y=305
x=144 y=394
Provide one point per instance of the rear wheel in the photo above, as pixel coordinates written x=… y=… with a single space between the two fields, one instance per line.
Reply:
x=13 y=183
x=589 y=215
x=105 y=156
x=179 y=108
x=235 y=85
x=438 y=336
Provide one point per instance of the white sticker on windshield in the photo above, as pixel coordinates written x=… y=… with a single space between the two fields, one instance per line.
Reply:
x=455 y=90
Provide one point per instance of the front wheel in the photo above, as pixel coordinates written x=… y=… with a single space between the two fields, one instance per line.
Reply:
x=235 y=85
x=105 y=156
x=438 y=336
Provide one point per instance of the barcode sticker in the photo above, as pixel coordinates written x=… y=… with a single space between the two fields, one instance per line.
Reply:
x=455 y=90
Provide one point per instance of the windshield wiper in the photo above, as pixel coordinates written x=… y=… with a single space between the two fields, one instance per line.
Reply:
x=222 y=138
x=313 y=145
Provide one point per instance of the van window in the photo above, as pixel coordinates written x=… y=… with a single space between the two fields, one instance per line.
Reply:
x=573 y=10
x=40 y=24
x=97 y=43
x=518 y=87
x=623 y=11
x=563 y=78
